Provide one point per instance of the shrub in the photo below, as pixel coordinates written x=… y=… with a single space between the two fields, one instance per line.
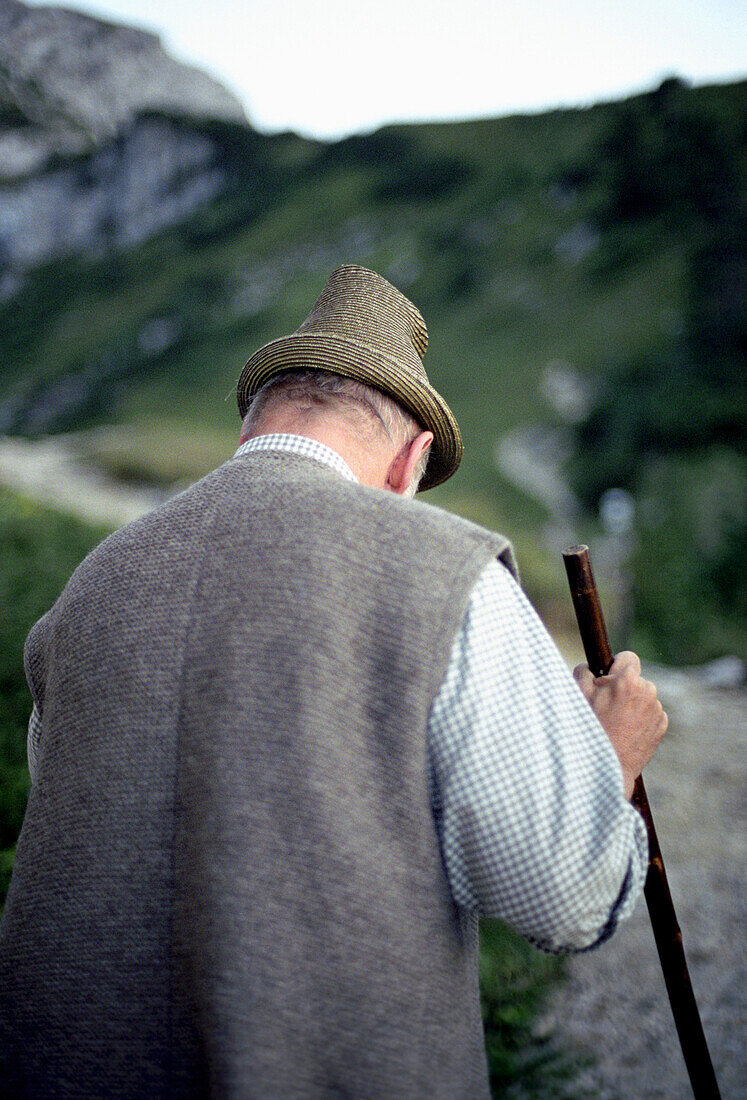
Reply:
x=39 y=549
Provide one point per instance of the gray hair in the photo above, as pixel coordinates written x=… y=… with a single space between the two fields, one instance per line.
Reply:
x=314 y=388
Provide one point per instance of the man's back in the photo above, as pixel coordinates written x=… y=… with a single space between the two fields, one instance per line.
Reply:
x=236 y=876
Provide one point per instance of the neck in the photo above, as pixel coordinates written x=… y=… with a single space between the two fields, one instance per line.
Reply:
x=369 y=462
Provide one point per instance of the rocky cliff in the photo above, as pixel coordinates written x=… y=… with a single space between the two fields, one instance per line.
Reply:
x=101 y=136
x=68 y=80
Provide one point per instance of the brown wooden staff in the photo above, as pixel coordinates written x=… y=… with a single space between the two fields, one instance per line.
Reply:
x=658 y=898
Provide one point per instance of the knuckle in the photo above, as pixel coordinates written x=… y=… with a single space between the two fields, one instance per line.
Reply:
x=629 y=683
x=629 y=659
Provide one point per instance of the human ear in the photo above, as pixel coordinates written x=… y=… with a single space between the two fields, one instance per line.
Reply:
x=399 y=475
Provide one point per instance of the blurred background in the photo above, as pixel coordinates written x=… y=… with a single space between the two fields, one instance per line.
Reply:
x=562 y=195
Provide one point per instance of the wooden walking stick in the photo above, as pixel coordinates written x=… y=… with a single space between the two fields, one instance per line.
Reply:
x=656 y=890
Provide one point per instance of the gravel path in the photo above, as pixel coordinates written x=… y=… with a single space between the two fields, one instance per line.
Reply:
x=614 y=1004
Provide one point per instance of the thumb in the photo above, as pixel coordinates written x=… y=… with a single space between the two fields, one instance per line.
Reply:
x=584 y=677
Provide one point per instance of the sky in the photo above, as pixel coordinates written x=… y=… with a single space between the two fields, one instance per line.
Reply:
x=327 y=68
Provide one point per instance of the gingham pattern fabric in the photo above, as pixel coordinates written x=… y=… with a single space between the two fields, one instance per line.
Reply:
x=526 y=789
x=297 y=445
x=32 y=741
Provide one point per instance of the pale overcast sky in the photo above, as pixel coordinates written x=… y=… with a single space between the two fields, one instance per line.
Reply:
x=331 y=67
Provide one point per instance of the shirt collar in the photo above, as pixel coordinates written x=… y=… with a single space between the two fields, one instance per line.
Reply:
x=298 y=445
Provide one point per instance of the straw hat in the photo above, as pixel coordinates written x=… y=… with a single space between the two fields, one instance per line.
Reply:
x=364 y=328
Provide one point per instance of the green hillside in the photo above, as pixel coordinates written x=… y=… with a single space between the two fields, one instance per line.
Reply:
x=521 y=239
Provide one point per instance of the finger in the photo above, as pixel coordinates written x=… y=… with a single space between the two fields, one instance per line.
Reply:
x=626 y=660
x=584 y=677
x=648 y=692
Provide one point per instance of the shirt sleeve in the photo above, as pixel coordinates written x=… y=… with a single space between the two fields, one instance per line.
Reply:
x=33 y=740
x=526 y=789
x=34 y=664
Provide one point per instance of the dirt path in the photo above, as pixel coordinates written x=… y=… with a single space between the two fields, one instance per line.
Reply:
x=614 y=1004
x=51 y=471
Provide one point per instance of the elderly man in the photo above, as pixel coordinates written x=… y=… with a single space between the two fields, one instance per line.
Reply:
x=293 y=733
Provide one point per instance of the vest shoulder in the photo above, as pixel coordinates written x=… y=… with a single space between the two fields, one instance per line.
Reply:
x=317 y=497
x=447 y=525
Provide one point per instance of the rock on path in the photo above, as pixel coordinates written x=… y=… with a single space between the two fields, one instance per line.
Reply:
x=614 y=1004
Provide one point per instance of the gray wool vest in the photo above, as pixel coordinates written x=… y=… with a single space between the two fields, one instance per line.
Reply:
x=228 y=881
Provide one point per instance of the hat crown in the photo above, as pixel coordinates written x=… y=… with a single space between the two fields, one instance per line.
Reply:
x=361 y=305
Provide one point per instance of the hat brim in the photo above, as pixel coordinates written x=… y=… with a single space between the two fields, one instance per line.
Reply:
x=357 y=360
